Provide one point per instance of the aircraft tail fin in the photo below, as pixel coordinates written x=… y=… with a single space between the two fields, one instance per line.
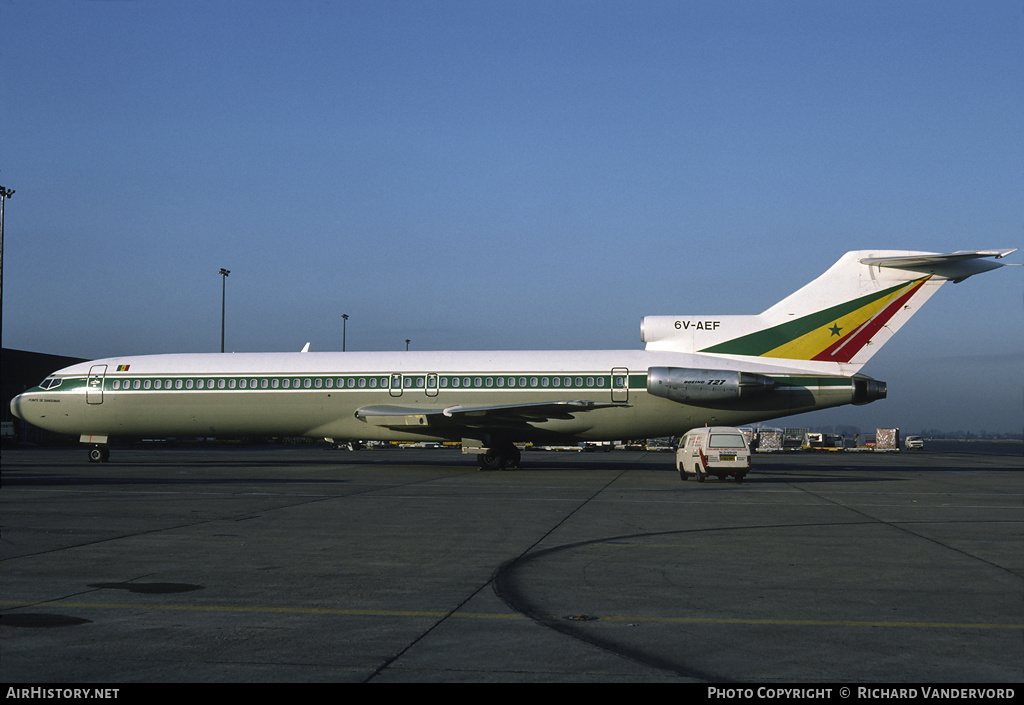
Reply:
x=841 y=318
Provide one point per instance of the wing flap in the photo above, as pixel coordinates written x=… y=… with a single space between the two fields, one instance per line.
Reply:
x=499 y=415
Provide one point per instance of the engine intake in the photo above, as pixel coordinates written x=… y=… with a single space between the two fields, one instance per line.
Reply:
x=683 y=384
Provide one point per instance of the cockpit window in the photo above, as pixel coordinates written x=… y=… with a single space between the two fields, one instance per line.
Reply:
x=50 y=383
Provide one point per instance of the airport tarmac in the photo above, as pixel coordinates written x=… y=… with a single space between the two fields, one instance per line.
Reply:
x=293 y=564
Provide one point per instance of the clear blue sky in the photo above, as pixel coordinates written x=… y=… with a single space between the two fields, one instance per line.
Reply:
x=510 y=175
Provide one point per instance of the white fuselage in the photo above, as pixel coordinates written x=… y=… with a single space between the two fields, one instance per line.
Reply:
x=318 y=394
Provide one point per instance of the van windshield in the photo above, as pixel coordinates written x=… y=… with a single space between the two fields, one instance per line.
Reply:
x=726 y=440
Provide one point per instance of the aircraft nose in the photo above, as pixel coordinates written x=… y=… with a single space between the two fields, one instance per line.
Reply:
x=16 y=404
x=25 y=411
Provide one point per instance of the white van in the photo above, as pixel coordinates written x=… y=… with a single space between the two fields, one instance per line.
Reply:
x=717 y=450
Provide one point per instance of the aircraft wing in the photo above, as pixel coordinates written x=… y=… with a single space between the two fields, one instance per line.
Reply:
x=483 y=417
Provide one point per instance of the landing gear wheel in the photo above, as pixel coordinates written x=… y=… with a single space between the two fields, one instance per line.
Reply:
x=491 y=460
x=499 y=458
x=99 y=454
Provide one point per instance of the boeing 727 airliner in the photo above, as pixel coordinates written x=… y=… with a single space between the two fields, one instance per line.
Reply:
x=803 y=353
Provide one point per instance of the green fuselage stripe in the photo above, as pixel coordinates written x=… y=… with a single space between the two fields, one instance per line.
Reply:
x=417 y=381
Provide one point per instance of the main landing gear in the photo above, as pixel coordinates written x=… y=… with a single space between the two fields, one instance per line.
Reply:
x=501 y=457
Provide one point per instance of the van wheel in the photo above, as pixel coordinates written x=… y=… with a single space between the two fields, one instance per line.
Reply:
x=682 y=473
x=700 y=473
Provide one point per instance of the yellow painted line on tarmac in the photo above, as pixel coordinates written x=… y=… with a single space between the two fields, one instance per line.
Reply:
x=333 y=611
x=257 y=610
x=816 y=622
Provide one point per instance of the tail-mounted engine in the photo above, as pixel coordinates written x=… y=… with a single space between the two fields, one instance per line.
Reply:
x=683 y=384
x=867 y=390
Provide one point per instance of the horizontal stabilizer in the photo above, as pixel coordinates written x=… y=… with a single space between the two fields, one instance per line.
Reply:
x=955 y=266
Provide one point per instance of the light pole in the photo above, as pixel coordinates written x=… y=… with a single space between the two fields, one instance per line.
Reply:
x=407 y=341
x=223 y=288
x=5 y=193
x=344 y=325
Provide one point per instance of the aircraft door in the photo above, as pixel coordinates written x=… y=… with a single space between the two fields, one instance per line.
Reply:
x=396 y=385
x=94 y=384
x=620 y=384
